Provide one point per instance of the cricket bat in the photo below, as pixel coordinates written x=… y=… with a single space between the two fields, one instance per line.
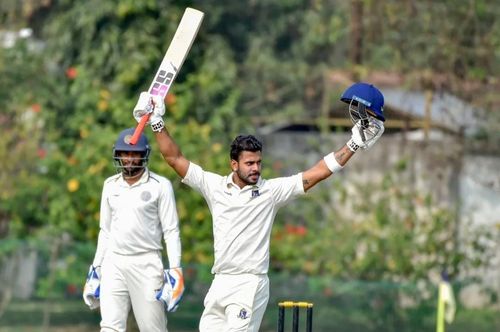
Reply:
x=172 y=61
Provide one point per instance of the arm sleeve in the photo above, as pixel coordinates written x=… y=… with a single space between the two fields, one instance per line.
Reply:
x=170 y=225
x=286 y=189
x=201 y=180
x=105 y=226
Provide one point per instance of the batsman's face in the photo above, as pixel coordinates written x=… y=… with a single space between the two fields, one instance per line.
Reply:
x=131 y=162
x=247 y=168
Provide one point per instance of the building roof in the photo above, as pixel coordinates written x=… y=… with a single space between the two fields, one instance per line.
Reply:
x=444 y=109
x=404 y=110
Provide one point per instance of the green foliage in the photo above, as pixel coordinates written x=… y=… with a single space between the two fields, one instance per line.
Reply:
x=427 y=35
x=63 y=104
x=394 y=233
x=20 y=148
x=63 y=275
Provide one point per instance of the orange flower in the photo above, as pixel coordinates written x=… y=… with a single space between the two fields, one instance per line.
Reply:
x=41 y=153
x=301 y=230
x=289 y=229
x=36 y=108
x=296 y=230
x=170 y=99
x=71 y=73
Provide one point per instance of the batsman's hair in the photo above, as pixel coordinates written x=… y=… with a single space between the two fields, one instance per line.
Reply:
x=244 y=143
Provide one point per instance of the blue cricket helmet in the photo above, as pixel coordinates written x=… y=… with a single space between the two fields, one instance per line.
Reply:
x=123 y=144
x=368 y=95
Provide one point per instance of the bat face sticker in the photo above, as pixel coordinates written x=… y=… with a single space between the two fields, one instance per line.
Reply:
x=172 y=61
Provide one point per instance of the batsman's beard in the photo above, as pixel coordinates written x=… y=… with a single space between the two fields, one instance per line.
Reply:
x=249 y=179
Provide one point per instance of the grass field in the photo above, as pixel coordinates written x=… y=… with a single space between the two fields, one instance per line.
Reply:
x=74 y=316
x=71 y=315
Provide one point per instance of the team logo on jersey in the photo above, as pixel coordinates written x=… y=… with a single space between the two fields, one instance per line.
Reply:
x=145 y=196
x=255 y=193
x=243 y=314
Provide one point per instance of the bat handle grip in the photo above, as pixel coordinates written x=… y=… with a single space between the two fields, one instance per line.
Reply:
x=140 y=128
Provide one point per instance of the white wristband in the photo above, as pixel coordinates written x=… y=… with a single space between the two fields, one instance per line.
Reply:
x=332 y=163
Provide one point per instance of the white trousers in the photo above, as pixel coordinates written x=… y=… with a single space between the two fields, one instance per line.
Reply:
x=235 y=303
x=131 y=282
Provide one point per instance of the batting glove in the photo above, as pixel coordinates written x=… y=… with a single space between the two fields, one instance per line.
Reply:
x=92 y=288
x=372 y=133
x=172 y=290
x=149 y=104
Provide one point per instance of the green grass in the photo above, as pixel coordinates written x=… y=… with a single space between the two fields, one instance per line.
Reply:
x=31 y=313
x=73 y=316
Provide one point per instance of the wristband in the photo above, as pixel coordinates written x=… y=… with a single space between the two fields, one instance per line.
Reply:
x=352 y=146
x=332 y=163
x=158 y=126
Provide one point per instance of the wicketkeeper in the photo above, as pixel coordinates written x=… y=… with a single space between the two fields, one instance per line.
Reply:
x=137 y=210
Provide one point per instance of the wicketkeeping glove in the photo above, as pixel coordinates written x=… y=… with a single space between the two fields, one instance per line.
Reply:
x=172 y=290
x=372 y=133
x=92 y=287
x=155 y=105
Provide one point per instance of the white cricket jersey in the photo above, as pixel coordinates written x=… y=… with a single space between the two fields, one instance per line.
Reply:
x=134 y=217
x=242 y=218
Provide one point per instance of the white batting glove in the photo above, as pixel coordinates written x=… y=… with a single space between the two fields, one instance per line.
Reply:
x=91 y=290
x=372 y=133
x=172 y=290
x=144 y=106
x=147 y=104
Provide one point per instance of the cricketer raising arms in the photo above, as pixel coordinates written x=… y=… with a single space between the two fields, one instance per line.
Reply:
x=243 y=206
x=137 y=210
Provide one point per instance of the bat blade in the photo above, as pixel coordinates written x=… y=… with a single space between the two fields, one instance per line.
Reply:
x=172 y=61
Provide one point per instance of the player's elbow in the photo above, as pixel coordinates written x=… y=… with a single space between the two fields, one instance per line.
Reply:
x=179 y=164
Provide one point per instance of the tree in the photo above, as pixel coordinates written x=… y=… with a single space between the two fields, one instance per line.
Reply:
x=63 y=105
